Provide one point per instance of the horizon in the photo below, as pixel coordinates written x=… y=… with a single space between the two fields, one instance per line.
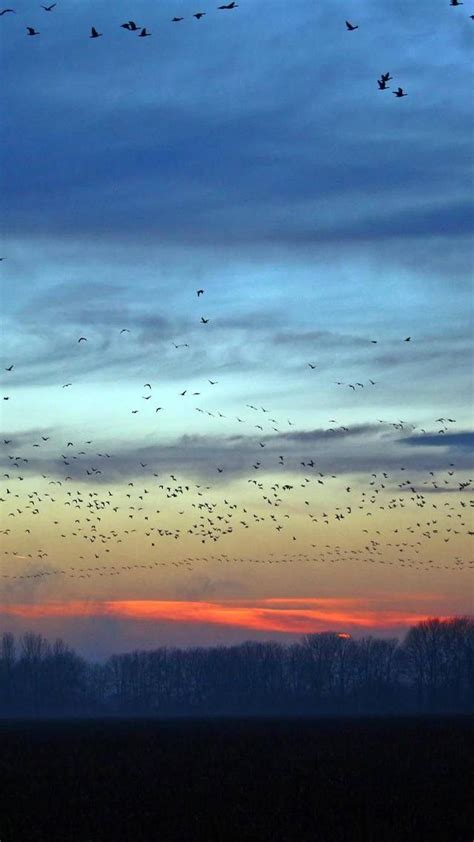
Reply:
x=98 y=642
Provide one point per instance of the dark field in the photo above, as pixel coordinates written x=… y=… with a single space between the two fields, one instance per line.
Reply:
x=319 y=780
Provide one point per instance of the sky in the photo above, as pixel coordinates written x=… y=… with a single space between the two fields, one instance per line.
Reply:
x=316 y=472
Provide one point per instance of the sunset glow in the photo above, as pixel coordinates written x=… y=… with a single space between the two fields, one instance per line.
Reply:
x=279 y=615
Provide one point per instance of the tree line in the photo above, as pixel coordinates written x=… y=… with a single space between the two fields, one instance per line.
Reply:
x=430 y=670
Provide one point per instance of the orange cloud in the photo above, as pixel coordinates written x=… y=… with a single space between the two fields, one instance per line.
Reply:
x=297 y=616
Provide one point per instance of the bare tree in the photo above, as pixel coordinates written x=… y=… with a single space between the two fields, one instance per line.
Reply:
x=440 y=660
x=7 y=669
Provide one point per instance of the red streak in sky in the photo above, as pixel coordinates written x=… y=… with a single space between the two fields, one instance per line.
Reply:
x=288 y=615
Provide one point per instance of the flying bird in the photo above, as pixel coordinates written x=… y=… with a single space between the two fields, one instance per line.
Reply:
x=199 y=292
x=131 y=26
x=49 y=8
x=94 y=33
x=199 y=15
x=204 y=321
x=350 y=26
x=9 y=368
x=399 y=92
x=228 y=6
x=4 y=12
x=144 y=33
x=82 y=339
x=32 y=31
x=176 y=20
x=382 y=85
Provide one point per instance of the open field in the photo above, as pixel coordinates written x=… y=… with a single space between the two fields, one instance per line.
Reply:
x=386 y=780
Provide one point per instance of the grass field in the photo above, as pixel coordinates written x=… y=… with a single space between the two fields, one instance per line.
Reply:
x=385 y=780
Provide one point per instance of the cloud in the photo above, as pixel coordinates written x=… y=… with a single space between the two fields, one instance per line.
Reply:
x=317 y=338
x=360 y=449
x=288 y=616
x=30 y=585
x=462 y=440
x=202 y=588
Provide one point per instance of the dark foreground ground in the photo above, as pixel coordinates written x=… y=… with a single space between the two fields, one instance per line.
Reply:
x=385 y=780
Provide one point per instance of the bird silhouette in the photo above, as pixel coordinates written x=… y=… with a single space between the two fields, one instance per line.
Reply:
x=350 y=26
x=32 y=31
x=399 y=93
x=94 y=33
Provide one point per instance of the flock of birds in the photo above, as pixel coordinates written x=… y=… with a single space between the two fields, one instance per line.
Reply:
x=142 y=31
x=83 y=505
x=99 y=505
x=130 y=25
x=96 y=523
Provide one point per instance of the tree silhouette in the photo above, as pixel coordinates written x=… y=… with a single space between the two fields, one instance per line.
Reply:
x=432 y=670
